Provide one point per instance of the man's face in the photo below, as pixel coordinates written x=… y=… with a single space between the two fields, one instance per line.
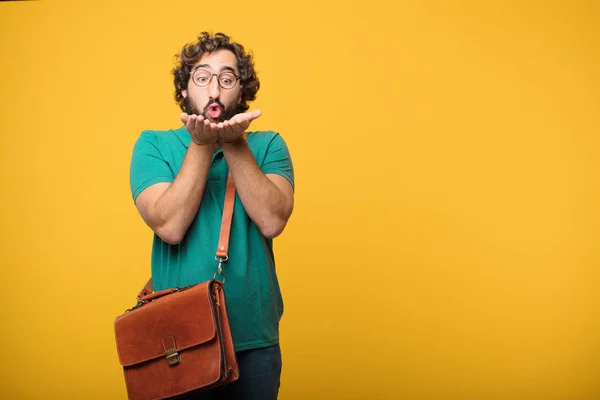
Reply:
x=212 y=101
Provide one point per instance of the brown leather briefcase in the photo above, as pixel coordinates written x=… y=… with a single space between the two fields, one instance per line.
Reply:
x=179 y=340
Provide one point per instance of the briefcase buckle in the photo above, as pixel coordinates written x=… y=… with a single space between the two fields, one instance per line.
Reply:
x=171 y=353
x=172 y=357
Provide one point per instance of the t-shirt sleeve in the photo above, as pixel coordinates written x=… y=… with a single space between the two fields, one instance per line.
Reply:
x=147 y=165
x=278 y=160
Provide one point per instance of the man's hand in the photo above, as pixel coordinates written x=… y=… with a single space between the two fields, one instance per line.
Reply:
x=202 y=130
x=232 y=130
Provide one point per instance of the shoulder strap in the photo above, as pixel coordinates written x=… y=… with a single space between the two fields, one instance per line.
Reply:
x=223 y=248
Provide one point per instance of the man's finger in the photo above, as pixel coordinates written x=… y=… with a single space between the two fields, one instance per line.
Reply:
x=200 y=124
x=195 y=123
x=189 y=125
x=252 y=115
x=184 y=118
x=237 y=126
x=230 y=129
x=249 y=116
x=227 y=130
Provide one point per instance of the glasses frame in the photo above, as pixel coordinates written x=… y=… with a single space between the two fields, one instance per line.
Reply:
x=237 y=78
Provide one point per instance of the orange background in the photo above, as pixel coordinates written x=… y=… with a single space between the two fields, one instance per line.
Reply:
x=445 y=240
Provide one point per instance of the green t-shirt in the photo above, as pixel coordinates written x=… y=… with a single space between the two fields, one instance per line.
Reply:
x=254 y=302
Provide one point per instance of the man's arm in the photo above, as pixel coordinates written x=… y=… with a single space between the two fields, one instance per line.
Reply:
x=268 y=199
x=170 y=208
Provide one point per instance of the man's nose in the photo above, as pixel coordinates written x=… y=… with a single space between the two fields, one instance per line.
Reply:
x=213 y=87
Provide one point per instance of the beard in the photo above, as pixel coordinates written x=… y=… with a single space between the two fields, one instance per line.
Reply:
x=226 y=112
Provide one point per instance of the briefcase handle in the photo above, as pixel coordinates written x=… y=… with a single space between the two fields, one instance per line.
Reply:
x=223 y=247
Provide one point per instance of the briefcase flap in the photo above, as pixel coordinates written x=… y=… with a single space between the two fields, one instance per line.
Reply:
x=171 y=323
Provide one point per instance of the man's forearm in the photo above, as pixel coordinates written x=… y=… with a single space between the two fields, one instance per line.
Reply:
x=176 y=208
x=264 y=202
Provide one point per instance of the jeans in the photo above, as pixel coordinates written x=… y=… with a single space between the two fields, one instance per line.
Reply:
x=260 y=370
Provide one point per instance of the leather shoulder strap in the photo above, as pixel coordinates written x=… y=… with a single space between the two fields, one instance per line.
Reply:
x=223 y=248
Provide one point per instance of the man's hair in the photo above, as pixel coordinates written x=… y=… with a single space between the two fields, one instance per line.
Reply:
x=207 y=43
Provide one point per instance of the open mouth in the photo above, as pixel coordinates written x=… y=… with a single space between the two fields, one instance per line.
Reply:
x=214 y=111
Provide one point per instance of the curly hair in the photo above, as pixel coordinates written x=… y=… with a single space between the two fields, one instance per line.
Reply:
x=207 y=43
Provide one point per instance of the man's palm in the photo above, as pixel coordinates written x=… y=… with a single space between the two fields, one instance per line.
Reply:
x=233 y=129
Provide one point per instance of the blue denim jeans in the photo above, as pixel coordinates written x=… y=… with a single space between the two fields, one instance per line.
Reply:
x=260 y=371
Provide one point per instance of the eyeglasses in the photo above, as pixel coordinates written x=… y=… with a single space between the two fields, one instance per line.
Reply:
x=202 y=77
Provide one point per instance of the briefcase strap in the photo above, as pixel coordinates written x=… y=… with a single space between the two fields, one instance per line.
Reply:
x=223 y=247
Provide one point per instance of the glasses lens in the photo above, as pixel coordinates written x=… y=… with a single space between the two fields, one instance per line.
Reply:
x=227 y=80
x=201 y=77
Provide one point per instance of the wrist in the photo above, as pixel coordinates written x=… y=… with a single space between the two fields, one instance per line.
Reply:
x=208 y=142
x=235 y=145
x=207 y=148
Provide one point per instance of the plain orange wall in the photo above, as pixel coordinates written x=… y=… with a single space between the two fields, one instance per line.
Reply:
x=445 y=241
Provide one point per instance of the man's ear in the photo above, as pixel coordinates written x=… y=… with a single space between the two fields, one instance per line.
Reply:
x=184 y=93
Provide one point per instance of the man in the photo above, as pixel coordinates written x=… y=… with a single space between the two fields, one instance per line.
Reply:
x=178 y=180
